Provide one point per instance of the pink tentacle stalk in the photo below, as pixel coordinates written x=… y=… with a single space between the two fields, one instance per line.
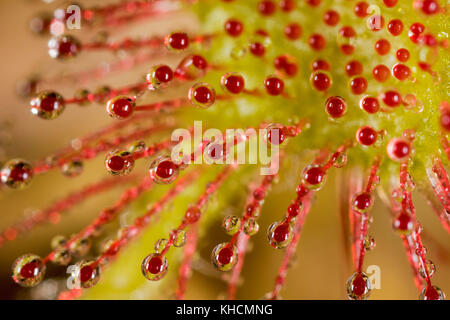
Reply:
x=282 y=234
x=290 y=251
x=80 y=243
x=52 y=214
x=440 y=183
x=248 y=226
x=409 y=228
x=129 y=233
x=155 y=265
x=241 y=245
x=185 y=269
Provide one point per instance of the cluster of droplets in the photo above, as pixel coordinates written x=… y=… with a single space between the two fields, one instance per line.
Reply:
x=225 y=255
x=29 y=269
x=313 y=177
x=155 y=265
x=359 y=285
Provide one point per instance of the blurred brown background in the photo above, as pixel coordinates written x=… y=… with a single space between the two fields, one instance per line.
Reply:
x=320 y=271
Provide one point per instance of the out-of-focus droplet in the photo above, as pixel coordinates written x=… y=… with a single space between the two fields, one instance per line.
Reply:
x=231 y=224
x=72 y=168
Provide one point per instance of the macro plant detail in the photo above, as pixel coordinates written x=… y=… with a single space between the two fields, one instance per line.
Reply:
x=356 y=87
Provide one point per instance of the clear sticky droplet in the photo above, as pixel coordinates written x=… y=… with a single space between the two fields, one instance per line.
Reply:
x=231 y=224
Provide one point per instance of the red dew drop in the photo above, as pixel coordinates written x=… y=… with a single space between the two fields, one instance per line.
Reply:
x=285 y=64
x=116 y=163
x=234 y=83
x=155 y=265
x=262 y=33
x=234 y=27
x=199 y=62
x=336 y=107
x=121 y=108
x=67 y=47
x=376 y=23
x=166 y=169
x=314 y=175
x=314 y=3
x=30 y=270
x=86 y=273
x=358 y=85
x=381 y=73
x=192 y=215
x=178 y=41
x=293 y=210
x=191 y=67
x=266 y=7
x=49 y=103
x=359 y=285
x=163 y=74
x=317 y=42
x=395 y=27
x=331 y=17
x=398 y=149
x=431 y=293
x=257 y=49
x=250 y=209
x=353 y=68
x=259 y=194
x=391 y=98
x=291 y=69
x=360 y=9
x=403 y=223
x=225 y=256
x=203 y=95
x=293 y=31
x=321 y=81
x=370 y=104
x=366 y=136
x=347 y=49
x=362 y=201
x=280 y=62
x=274 y=85
x=390 y=3
x=445 y=120
x=347 y=32
x=20 y=173
x=320 y=65
x=429 y=7
x=281 y=136
x=402 y=55
x=287 y=5
x=428 y=40
x=415 y=30
x=382 y=47
x=401 y=71
x=281 y=233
